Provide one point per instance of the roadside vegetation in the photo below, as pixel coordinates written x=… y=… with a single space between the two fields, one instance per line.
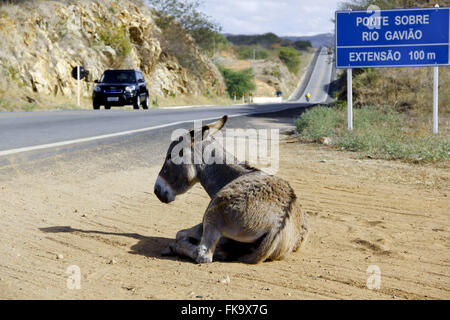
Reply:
x=277 y=63
x=269 y=46
x=379 y=132
x=238 y=82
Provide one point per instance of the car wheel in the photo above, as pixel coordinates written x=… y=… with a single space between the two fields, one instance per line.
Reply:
x=96 y=106
x=137 y=102
x=107 y=107
x=146 y=102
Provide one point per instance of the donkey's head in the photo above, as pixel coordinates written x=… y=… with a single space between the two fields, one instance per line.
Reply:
x=179 y=171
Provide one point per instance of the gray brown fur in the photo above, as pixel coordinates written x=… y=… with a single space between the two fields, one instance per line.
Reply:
x=252 y=216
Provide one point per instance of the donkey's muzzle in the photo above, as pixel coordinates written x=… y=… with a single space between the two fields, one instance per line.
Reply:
x=163 y=191
x=161 y=197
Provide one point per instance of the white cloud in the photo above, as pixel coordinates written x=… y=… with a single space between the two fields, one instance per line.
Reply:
x=286 y=17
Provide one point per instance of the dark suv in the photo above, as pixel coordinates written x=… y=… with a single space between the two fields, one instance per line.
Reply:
x=120 y=88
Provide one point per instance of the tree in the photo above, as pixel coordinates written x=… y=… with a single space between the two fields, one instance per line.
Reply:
x=302 y=45
x=384 y=4
x=186 y=13
x=240 y=82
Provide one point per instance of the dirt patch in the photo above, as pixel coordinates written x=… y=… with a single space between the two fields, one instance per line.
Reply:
x=110 y=225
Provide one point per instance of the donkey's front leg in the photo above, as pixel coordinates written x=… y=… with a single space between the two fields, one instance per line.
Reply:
x=205 y=250
x=203 y=253
x=184 y=248
x=194 y=232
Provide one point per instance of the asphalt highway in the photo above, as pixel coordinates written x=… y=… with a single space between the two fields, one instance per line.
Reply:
x=23 y=132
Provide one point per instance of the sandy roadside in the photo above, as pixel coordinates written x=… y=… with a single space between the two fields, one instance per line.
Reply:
x=109 y=224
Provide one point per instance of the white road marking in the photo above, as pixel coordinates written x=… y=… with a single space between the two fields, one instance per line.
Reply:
x=117 y=134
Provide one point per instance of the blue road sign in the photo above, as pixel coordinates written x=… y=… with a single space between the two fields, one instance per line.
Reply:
x=393 y=38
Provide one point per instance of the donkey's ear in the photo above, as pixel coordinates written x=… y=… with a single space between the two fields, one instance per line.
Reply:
x=212 y=128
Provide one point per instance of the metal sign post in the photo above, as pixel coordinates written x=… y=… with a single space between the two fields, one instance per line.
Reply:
x=78 y=85
x=78 y=73
x=417 y=37
x=349 y=100
x=435 y=100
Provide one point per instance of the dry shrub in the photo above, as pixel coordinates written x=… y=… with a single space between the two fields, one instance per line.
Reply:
x=405 y=89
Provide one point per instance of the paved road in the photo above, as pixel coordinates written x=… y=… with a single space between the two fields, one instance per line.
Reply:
x=28 y=131
x=33 y=131
x=319 y=82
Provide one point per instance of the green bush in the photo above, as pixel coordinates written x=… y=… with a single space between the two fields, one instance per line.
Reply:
x=238 y=82
x=379 y=132
x=290 y=58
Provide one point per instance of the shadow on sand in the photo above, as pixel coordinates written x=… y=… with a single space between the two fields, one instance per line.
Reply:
x=146 y=246
x=227 y=251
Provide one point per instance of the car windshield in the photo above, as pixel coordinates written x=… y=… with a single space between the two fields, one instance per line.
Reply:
x=118 y=77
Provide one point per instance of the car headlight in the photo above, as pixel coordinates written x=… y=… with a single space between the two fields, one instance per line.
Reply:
x=130 y=89
x=97 y=89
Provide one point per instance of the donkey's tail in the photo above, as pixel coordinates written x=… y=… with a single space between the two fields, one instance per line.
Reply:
x=265 y=249
x=279 y=242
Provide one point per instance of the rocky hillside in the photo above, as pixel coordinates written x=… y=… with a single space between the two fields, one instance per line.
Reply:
x=41 y=41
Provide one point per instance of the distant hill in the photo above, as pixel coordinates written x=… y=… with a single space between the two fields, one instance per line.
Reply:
x=319 y=40
x=267 y=40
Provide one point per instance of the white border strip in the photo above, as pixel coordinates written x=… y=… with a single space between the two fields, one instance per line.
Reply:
x=395 y=45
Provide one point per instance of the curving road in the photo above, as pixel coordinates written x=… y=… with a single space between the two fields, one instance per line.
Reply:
x=36 y=131
x=317 y=85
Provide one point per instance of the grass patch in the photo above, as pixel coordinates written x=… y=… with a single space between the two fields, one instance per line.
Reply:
x=29 y=107
x=379 y=132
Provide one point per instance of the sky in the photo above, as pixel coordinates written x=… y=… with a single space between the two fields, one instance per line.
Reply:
x=282 y=17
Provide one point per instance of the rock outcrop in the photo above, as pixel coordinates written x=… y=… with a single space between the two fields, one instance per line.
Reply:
x=42 y=41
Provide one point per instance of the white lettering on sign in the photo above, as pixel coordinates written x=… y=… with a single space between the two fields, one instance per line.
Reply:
x=372 y=21
x=403 y=35
x=370 y=36
x=412 y=19
x=370 y=56
x=377 y=21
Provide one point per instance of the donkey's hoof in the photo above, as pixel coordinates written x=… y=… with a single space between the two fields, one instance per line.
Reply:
x=204 y=259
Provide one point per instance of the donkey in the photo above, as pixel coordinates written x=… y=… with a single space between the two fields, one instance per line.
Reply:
x=252 y=216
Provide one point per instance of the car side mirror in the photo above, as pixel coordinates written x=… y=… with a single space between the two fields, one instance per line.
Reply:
x=95 y=81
